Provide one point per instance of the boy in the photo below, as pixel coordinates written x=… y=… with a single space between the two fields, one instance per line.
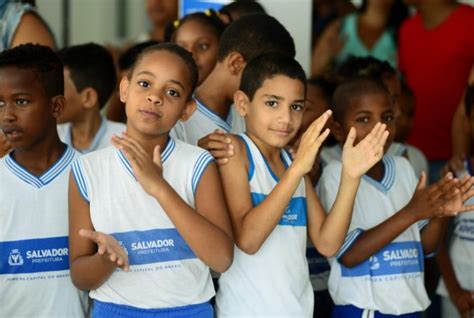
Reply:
x=34 y=268
x=276 y=207
x=379 y=269
x=89 y=80
x=242 y=41
x=152 y=207
x=455 y=259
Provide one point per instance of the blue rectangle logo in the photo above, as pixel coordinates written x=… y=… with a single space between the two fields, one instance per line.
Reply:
x=395 y=258
x=295 y=212
x=154 y=246
x=34 y=255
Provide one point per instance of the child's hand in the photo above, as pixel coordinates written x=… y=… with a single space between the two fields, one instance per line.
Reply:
x=310 y=143
x=356 y=161
x=438 y=200
x=108 y=247
x=465 y=186
x=464 y=301
x=147 y=170
x=219 y=145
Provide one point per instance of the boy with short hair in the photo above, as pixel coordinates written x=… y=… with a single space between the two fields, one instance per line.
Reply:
x=379 y=269
x=242 y=41
x=90 y=79
x=34 y=265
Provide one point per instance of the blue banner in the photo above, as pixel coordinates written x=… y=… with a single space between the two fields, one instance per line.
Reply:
x=154 y=246
x=295 y=212
x=395 y=258
x=191 y=6
x=34 y=256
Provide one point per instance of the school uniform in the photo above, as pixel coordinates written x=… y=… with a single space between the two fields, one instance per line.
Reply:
x=461 y=253
x=204 y=121
x=102 y=138
x=274 y=282
x=390 y=282
x=34 y=250
x=165 y=276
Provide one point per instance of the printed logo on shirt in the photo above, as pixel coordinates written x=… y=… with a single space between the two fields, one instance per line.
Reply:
x=154 y=246
x=35 y=255
x=295 y=212
x=394 y=259
x=465 y=229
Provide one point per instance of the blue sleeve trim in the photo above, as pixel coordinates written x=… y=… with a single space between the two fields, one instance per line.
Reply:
x=249 y=158
x=80 y=180
x=434 y=254
x=422 y=224
x=350 y=239
x=202 y=162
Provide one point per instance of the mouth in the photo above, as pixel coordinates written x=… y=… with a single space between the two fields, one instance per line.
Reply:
x=282 y=132
x=12 y=133
x=149 y=113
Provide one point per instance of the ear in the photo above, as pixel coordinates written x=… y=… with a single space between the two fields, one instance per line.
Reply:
x=235 y=63
x=57 y=105
x=188 y=110
x=337 y=131
x=123 y=89
x=89 y=97
x=241 y=102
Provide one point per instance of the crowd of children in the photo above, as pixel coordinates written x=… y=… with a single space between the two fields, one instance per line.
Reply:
x=300 y=198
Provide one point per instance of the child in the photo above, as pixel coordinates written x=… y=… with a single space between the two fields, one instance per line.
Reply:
x=379 y=269
x=89 y=80
x=34 y=267
x=150 y=217
x=199 y=33
x=276 y=206
x=242 y=41
x=236 y=9
x=457 y=284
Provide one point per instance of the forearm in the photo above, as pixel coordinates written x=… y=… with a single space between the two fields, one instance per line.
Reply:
x=91 y=271
x=446 y=269
x=210 y=243
x=259 y=222
x=432 y=235
x=373 y=240
x=336 y=224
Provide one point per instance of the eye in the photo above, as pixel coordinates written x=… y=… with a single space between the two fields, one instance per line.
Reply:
x=203 y=46
x=173 y=93
x=143 y=84
x=363 y=120
x=2 y=103
x=297 y=107
x=21 y=102
x=389 y=118
x=271 y=103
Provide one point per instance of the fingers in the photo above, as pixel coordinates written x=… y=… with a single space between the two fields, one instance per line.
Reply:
x=217 y=140
x=91 y=235
x=318 y=124
x=157 y=155
x=351 y=136
x=422 y=181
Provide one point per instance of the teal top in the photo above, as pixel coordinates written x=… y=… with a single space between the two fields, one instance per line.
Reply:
x=385 y=49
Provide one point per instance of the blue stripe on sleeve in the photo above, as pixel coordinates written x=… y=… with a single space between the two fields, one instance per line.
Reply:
x=350 y=239
x=80 y=180
x=202 y=162
x=422 y=224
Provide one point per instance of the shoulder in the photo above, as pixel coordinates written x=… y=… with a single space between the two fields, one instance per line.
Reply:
x=189 y=153
x=98 y=156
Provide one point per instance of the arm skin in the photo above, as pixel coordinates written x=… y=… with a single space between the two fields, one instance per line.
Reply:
x=32 y=29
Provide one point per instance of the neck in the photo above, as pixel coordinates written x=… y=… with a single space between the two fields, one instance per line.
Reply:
x=84 y=130
x=158 y=33
x=433 y=13
x=212 y=93
x=377 y=171
x=270 y=153
x=39 y=158
x=375 y=17
x=149 y=142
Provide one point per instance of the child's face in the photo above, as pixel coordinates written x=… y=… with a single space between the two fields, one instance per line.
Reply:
x=275 y=113
x=73 y=109
x=202 y=42
x=27 y=114
x=363 y=113
x=156 y=95
x=316 y=105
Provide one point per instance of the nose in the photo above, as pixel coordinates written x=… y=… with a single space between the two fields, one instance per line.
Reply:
x=7 y=113
x=284 y=115
x=155 y=98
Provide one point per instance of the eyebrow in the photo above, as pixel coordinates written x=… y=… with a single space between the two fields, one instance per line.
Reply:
x=282 y=98
x=153 y=75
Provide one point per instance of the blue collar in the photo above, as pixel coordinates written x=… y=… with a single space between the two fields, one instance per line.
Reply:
x=224 y=125
x=388 y=178
x=97 y=138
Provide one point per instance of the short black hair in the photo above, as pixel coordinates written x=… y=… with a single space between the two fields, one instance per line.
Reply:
x=179 y=51
x=128 y=58
x=242 y=7
x=91 y=65
x=368 y=66
x=352 y=89
x=267 y=66
x=469 y=99
x=209 y=18
x=42 y=61
x=255 y=34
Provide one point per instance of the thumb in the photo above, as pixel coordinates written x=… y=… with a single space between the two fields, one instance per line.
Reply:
x=219 y=132
x=157 y=156
x=351 y=136
x=422 y=181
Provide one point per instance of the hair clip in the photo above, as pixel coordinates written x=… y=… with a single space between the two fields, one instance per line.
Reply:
x=176 y=24
x=208 y=12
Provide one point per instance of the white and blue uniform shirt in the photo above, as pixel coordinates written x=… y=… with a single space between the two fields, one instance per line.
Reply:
x=34 y=249
x=274 y=282
x=102 y=138
x=461 y=248
x=398 y=268
x=164 y=271
x=204 y=122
